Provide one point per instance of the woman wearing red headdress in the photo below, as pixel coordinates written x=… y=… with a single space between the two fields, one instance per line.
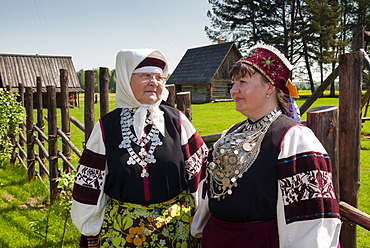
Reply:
x=140 y=170
x=269 y=182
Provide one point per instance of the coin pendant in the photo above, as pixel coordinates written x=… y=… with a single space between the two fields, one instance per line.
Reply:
x=232 y=160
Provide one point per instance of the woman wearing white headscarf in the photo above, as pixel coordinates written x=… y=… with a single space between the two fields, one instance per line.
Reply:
x=138 y=176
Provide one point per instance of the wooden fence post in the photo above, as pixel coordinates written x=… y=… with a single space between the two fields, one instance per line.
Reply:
x=358 y=36
x=350 y=80
x=53 y=142
x=184 y=103
x=171 y=99
x=89 y=103
x=21 y=126
x=64 y=109
x=323 y=121
x=104 y=90
x=40 y=124
x=30 y=136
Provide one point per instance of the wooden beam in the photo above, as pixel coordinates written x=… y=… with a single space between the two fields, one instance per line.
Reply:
x=53 y=142
x=319 y=91
x=324 y=123
x=350 y=80
x=104 y=90
x=355 y=215
x=89 y=103
x=184 y=103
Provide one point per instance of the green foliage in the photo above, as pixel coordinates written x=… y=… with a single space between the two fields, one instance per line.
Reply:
x=63 y=206
x=311 y=33
x=11 y=115
x=112 y=81
x=23 y=202
x=81 y=78
x=65 y=186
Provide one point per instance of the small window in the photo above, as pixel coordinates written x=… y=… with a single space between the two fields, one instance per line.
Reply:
x=229 y=86
x=195 y=88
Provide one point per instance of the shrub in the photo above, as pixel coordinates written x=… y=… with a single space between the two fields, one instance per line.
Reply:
x=12 y=114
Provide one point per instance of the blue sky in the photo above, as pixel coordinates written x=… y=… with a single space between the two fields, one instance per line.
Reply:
x=92 y=31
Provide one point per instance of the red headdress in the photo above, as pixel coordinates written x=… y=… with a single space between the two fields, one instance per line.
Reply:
x=273 y=65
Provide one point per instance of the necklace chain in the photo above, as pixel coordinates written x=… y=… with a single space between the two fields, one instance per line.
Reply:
x=144 y=157
x=235 y=153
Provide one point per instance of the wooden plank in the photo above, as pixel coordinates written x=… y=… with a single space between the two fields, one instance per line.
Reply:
x=30 y=136
x=53 y=142
x=350 y=80
x=64 y=110
x=29 y=72
x=40 y=123
x=171 y=94
x=184 y=103
x=355 y=215
x=46 y=74
x=324 y=123
x=358 y=37
x=11 y=72
x=89 y=103
x=319 y=91
x=17 y=69
x=21 y=91
x=104 y=90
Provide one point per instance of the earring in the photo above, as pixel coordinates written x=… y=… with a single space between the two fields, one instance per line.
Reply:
x=267 y=95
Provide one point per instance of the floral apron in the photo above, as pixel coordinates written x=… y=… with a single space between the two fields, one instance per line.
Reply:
x=164 y=224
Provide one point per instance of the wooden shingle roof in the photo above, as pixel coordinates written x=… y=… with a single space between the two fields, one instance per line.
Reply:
x=16 y=69
x=199 y=65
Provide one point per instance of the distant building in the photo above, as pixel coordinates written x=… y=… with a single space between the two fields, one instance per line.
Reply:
x=204 y=71
x=16 y=69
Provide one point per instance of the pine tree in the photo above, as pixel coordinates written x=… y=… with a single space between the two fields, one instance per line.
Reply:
x=324 y=16
x=248 y=22
x=305 y=30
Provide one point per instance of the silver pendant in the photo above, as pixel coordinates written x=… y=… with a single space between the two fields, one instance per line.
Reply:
x=144 y=173
x=248 y=146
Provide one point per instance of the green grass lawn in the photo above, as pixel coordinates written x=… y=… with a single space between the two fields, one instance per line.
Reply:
x=23 y=202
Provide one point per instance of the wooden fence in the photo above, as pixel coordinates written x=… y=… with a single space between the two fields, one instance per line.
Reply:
x=35 y=133
x=339 y=132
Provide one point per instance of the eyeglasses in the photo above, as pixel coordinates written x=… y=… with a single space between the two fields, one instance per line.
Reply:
x=149 y=76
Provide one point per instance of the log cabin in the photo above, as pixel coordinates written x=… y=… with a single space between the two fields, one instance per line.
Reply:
x=204 y=72
x=18 y=69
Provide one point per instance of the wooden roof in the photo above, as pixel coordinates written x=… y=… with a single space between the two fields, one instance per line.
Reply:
x=200 y=65
x=16 y=69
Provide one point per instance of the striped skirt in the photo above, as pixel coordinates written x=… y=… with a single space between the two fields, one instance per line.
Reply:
x=164 y=224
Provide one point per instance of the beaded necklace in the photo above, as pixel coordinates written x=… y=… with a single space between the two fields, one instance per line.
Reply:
x=235 y=153
x=144 y=157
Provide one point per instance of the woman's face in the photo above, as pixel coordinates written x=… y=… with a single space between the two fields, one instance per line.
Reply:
x=249 y=94
x=147 y=87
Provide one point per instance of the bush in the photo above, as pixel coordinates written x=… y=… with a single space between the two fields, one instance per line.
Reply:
x=12 y=114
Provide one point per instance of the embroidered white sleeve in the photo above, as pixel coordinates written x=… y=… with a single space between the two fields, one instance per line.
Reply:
x=300 y=139
x=92 y=178
x=315 y=233
x=202 y=213
x=195 y=162
x=187 y=129
x=89 y=218
x=308 y=182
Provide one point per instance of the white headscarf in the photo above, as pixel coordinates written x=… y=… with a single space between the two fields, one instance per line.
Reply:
x=126 y=62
